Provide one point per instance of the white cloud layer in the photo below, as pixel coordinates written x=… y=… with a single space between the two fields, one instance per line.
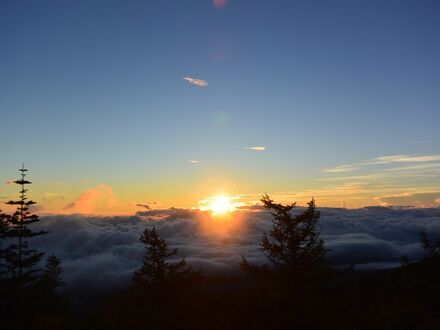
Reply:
x=102 y=252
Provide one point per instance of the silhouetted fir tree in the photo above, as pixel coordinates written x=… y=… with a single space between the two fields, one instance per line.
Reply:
x=20 y=259
x=51 y=278
x=3 y=235
x=3 y=225
x=51 y=311
x=156 y=269
x=20 y=278
x=163 y=287
x=431 y=247
x=404 y=260
x=28 y=294
x=293 y=245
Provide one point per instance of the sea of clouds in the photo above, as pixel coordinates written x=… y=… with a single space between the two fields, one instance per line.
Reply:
x=103 y=252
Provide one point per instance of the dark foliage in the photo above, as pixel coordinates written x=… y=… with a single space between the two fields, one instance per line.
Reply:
x=156 y=268
x=51 y=279
x=163 y=289
x=20 y=260
x=292 y=246
x=431 y=247
x=3 y=234
x=52 y=311
x=403 y=298
x=27 y=294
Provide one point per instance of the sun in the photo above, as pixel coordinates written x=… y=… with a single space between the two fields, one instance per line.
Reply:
x=219 y=205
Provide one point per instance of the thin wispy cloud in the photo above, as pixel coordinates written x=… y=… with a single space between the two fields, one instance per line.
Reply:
x=148 y=205
x=411 y=199
x=193 y=161
x=413 y=167
x=421 y=142
x=409 y=158
x=383 y=160
x=393 y=180
x=364 y=192
x=349 y=178
x=341 y=169
x=256 y=148
x=196 y=82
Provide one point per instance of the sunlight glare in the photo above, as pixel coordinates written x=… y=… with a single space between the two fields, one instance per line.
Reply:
x=219 y=205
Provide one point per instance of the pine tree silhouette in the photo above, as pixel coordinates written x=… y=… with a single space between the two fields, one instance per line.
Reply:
x=293 y=244
x=20 y=274
x=20 y=259
x=431 y=247
x=156 y=269
x=3 y=225
x=3 y=235
x=51 y=279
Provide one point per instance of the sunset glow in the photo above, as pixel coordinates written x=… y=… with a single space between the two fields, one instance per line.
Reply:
x=219 y=205
x=173 y=115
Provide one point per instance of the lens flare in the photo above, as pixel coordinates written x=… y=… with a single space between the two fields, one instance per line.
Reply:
x=219 y=3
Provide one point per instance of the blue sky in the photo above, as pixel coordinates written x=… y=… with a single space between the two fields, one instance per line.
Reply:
x=94 y=90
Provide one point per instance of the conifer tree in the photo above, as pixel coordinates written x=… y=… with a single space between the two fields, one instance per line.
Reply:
x=51 y=279
x=20 y=259
x=431 y=247
x=293 y=245
x=3 y=225
x=3 y=235
x=156 y=269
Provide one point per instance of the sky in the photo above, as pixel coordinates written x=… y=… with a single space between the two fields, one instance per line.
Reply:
x=111 y=103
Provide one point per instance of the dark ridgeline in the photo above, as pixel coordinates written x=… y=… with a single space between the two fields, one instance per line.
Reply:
x=28 y=298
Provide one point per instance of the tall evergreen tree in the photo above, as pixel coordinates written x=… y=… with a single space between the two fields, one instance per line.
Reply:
x=20 y=259
x=28 y=296
x=156 y=269
x=293 y=245
x=51 y=279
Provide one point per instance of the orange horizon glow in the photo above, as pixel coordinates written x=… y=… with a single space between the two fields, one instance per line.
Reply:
x=225 y=196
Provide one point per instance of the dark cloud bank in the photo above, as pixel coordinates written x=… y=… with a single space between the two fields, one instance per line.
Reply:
x=103 y=252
